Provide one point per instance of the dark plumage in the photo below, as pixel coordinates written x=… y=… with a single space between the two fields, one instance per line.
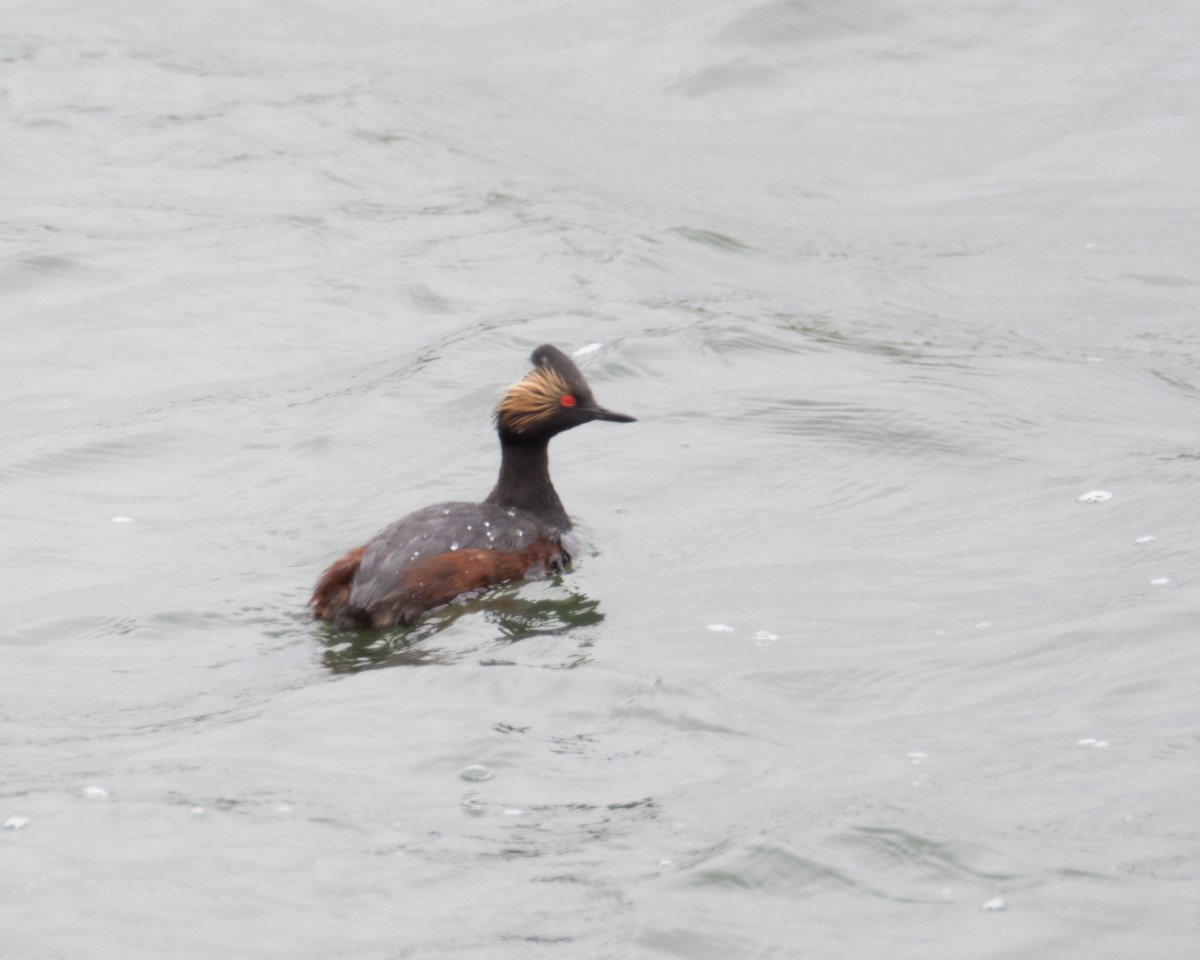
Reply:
x=435 y=554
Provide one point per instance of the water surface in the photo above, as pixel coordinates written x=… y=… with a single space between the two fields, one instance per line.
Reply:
x=847 y=669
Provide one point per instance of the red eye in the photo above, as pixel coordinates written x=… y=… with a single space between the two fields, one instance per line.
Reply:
x=567 y=400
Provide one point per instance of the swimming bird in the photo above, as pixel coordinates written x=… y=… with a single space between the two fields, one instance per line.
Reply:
x=433 y=555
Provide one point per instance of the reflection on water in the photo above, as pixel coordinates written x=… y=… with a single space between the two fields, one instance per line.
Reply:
x=512 y=616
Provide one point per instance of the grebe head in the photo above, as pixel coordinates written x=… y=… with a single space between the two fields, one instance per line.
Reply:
x=552 y=397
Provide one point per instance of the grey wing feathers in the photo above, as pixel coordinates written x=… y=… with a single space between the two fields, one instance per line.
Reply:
x=438 y=529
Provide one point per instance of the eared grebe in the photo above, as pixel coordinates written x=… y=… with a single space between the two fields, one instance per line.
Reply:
x=434 y=555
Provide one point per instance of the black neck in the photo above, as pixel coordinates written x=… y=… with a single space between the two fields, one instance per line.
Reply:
x=524 y=483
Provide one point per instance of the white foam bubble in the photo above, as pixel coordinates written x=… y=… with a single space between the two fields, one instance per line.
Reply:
x=476 y=772
x=996 y=903
x=1093 y=743
x=1145 y=539
x=1095 y=496
x=16 y=823
x=590 y=348
x=121 y=519
x=720 y=628
x=95 y=793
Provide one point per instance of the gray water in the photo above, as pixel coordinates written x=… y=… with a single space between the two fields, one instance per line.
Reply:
x=847 y=668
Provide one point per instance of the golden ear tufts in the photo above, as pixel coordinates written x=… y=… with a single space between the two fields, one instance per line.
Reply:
x=532 y=400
